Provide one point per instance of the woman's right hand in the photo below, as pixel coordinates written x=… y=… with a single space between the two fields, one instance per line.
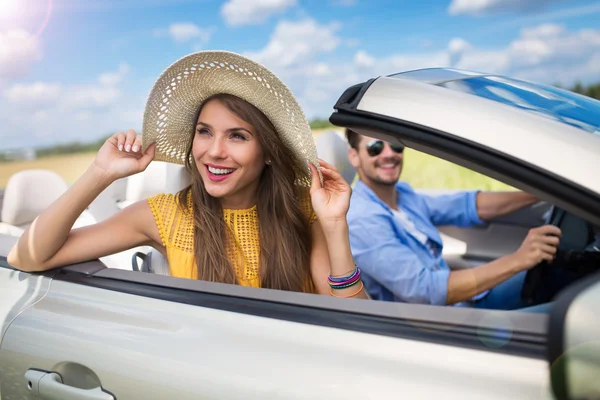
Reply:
x=121 y=155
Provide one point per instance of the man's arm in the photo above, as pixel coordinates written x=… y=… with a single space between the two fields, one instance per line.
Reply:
x=384 y=258
x=539 y=245
x=492 y=205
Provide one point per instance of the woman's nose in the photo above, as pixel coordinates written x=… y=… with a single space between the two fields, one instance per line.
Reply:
x=218 y=148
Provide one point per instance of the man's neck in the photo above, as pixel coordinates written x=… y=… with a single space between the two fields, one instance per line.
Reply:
x=386 y=193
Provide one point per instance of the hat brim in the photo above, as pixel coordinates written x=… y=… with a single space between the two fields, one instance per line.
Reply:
x=173 y=104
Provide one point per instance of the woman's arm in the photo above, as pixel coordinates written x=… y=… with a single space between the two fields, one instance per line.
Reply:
x=50 y=240
x=331 y=254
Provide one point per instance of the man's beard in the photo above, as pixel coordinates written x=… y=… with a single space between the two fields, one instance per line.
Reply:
x=384 y=182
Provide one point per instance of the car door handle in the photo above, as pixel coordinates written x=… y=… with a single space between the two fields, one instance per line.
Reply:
x=49 y=385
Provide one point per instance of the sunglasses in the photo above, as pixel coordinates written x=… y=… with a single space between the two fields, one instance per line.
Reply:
x=375 y=147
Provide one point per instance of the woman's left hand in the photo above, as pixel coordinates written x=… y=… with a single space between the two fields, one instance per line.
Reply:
x=331 y=199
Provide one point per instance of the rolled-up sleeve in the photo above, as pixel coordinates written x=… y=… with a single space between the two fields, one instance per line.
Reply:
x=459 y=209
x=384 y=258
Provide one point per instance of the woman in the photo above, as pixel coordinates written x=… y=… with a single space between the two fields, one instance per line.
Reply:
x=261 y=210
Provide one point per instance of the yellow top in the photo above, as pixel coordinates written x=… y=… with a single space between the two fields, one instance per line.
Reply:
x=176 y=230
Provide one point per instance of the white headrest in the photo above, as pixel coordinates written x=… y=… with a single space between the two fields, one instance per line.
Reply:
x=332 y=147
x=28 y=193
x=159 y=177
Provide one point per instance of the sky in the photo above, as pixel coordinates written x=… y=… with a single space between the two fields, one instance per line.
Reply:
x=79 y=70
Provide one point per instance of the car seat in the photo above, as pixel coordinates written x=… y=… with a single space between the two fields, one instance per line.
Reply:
x=27 y=194
x=332 y=147
x=159 y=177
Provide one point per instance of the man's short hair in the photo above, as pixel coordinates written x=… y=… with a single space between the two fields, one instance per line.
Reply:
x=353 y=138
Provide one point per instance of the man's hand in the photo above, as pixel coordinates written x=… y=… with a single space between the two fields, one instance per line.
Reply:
x=540 y=245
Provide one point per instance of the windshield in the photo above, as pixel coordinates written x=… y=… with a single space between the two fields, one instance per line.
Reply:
x=551 y=102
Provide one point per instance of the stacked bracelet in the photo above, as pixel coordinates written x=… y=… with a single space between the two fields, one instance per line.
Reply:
x=343 y=282
x=350 y=295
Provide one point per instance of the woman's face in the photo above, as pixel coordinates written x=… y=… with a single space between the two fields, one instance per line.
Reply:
x=228 y=156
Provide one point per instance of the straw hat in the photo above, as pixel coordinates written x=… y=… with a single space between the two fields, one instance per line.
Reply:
x=174 y=101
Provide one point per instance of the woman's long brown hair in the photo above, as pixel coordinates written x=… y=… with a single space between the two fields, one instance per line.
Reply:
x=284 y=229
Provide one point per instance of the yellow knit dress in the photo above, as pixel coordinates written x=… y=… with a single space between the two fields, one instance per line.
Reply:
x=176 y=230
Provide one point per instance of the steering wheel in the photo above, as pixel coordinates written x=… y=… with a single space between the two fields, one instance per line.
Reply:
x=534 y=277
x=543 y=281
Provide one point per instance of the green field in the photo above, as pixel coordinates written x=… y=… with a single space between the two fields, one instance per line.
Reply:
x=421 y=170
x=427 y=172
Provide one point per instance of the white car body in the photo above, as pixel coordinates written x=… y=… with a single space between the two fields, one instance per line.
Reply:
x=116 y=334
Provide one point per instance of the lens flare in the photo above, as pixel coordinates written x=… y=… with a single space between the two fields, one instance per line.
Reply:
x=46 y=18
x=20 y=14
x=8 y=8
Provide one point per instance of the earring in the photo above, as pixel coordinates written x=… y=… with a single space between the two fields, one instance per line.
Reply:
x=269 y=162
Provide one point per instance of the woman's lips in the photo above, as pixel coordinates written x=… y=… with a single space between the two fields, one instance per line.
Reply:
x=219 y=177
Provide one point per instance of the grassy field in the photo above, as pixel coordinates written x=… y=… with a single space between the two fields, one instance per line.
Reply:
x=421 y=170
x=70 y=167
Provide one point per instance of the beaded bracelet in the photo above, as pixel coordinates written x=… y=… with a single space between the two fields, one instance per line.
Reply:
x=345 y=281
x=350 y=295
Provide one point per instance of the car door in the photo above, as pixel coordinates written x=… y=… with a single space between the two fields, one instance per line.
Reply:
x=18 y=291
x=111 y=334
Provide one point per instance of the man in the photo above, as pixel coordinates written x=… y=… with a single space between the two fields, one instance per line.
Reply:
x=396 y=245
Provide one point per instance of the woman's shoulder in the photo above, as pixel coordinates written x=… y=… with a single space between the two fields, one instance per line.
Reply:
x=169 y=202
x=162 y=203
x=166 y=206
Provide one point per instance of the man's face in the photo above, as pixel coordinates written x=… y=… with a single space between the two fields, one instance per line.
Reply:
x=376 y=161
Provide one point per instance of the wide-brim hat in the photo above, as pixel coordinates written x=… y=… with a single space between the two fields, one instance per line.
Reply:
x=173 y=104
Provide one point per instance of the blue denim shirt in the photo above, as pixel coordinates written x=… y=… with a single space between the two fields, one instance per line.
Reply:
x=395 y=265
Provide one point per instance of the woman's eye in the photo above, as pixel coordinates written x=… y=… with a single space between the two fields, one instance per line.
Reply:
x=202 y=131
x=238 y=136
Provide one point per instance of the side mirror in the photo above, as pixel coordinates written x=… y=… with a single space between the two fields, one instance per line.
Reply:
x=574 y=342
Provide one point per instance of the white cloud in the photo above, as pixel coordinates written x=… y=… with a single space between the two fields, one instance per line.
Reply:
x=295 y=44
x=186 y=32
x=253 y=12
x=542 y=31
x=37 y=95
x=456 y=49
x=480 y=7
x=114 y=78
x=42 y=113
x=545 y=53
x=41 y=95
x=90 y=97
x=363 y=60
x=318 y=69
x=18 y=50
x=182 y=32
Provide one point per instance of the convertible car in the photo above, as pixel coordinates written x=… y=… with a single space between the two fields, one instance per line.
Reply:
x=97 y=330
